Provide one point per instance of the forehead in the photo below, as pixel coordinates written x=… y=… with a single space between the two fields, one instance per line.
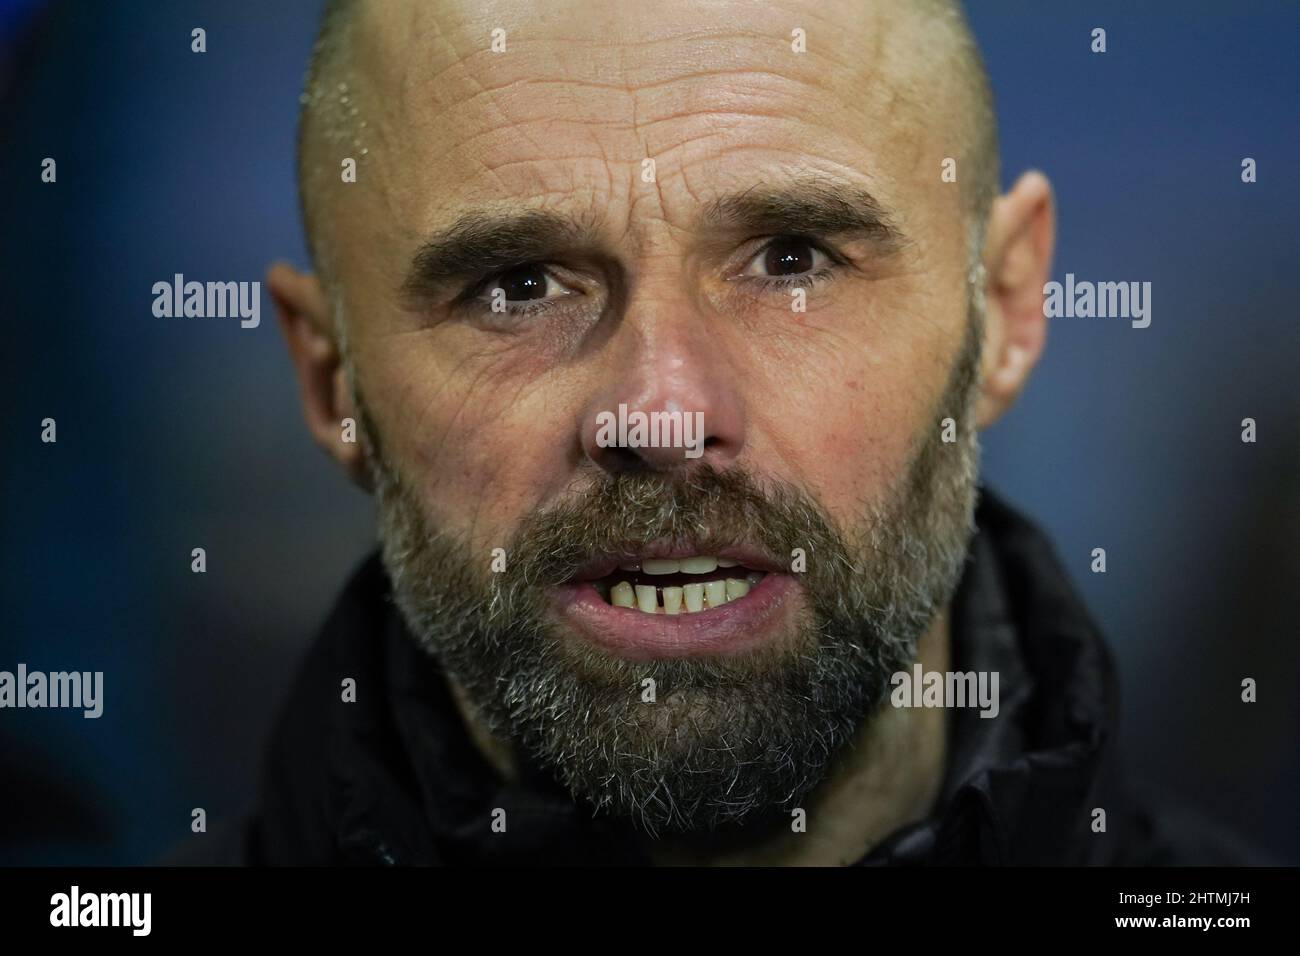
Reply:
x=584 y=92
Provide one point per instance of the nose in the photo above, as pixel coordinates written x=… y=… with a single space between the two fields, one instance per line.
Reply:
x=667 y=400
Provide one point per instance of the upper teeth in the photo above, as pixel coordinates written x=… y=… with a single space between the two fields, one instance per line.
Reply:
x=691 y=598
x=696 y=564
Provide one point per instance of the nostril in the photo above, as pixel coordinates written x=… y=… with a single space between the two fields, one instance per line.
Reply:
x=622 y=460
x=659 y=439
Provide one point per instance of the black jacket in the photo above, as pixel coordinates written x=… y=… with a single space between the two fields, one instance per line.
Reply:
x=392 y=778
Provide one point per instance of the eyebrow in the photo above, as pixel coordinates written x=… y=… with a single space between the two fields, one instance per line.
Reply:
x=482 y=243
x=808 y=207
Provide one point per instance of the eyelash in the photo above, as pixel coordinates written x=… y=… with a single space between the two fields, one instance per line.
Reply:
x=804 y=280
x=524 y=309
x=516 y=310
x=473 y=298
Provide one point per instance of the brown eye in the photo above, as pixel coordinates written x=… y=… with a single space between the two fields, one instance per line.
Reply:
x=523 y=283
x=786 y=257
x=528 y=287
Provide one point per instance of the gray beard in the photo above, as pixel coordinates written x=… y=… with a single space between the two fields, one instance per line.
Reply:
x=726 y=740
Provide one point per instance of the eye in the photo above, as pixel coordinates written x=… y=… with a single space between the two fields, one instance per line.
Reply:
x=531 y=282
x=787 y=257
x=789 y=262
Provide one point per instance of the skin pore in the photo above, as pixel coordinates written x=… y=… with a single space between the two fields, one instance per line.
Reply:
x=654 y=296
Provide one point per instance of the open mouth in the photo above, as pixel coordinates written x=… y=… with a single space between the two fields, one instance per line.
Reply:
x=653 y=600
x=685 y=585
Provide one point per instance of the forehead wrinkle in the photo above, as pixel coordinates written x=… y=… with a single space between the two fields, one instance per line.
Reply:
x=627 y=71
x=608 y=54
x=424 y=49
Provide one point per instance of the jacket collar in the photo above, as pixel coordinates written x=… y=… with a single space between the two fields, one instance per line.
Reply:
x=1020 y=788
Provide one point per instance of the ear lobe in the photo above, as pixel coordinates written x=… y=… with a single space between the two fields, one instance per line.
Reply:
x=1018 y=261
x=304 y=313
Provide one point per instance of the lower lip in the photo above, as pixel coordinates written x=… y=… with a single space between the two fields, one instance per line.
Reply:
x=733 y=628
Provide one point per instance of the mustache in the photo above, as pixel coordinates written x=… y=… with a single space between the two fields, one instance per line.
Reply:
x=704 y=511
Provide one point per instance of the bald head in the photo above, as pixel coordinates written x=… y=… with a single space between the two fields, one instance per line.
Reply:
x=938 y=74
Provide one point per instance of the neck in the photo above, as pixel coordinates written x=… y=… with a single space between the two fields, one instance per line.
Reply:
x=887 y=778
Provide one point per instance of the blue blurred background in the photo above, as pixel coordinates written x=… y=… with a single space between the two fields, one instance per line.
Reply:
x=176 y=435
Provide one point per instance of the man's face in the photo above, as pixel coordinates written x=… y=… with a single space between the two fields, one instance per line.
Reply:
x=522 y=176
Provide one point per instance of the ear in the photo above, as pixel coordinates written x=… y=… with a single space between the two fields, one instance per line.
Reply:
x=1017 y=262
x=308 y=328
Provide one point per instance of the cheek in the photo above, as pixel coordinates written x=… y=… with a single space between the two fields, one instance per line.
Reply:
x=847 y=424
x=482 y=447
x=854 y=445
